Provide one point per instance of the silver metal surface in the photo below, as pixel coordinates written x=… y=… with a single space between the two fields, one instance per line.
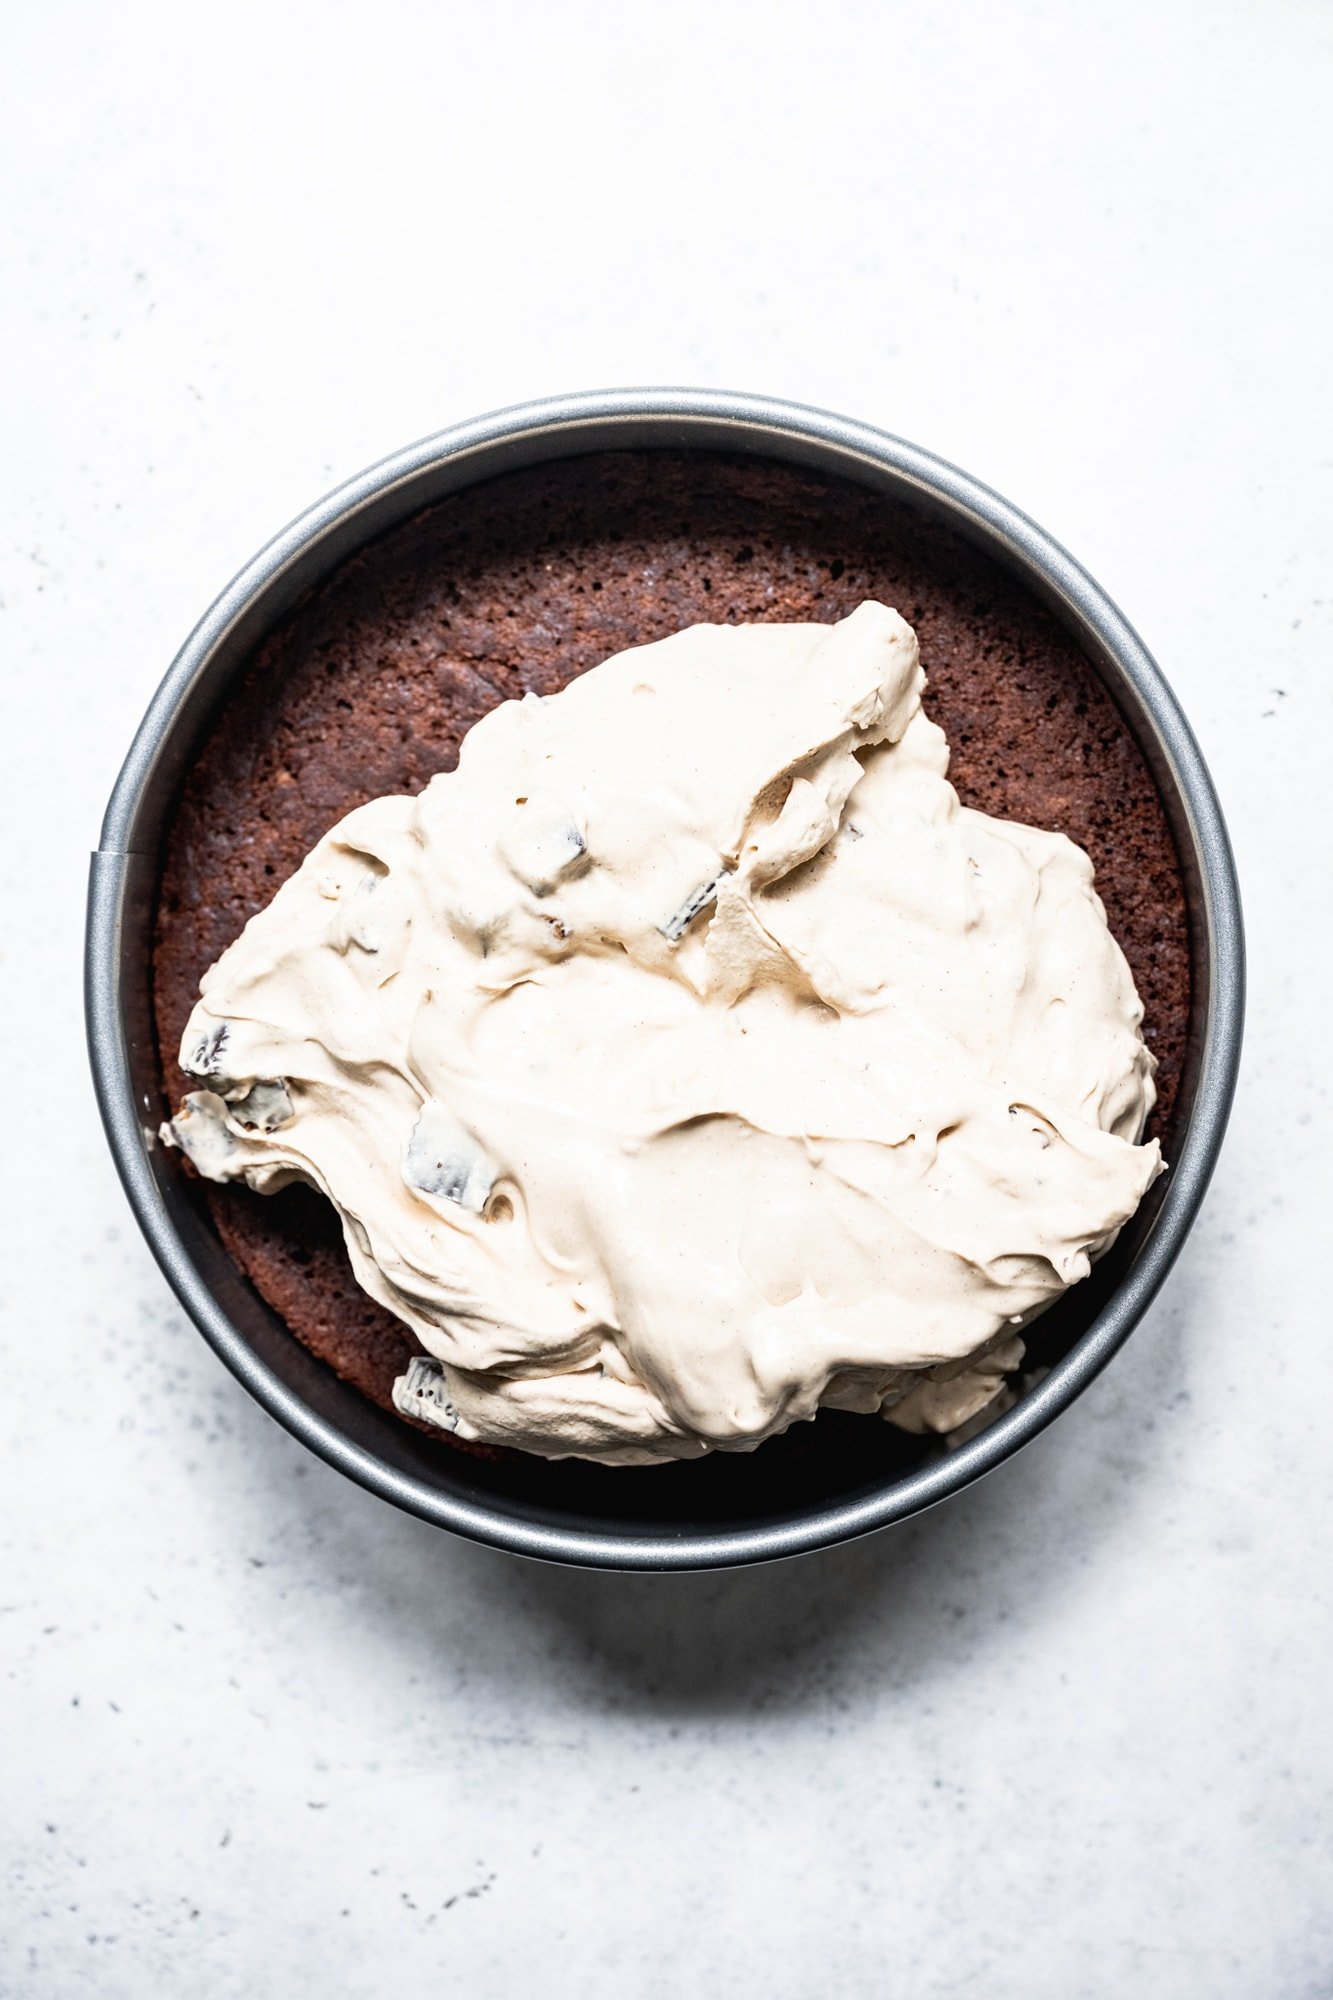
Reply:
x=605 y=1522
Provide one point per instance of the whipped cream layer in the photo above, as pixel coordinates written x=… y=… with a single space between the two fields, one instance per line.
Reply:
x=689 y=1057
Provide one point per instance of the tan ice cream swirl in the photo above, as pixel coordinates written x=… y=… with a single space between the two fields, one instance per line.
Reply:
x=689 y=1057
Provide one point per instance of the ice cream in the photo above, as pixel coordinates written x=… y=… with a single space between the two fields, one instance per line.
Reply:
x=689 y=1058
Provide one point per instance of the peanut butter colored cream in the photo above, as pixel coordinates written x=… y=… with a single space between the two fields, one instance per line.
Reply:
x=689 y=1058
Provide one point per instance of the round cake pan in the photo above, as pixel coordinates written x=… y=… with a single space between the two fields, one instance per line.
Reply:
x=673 y=1517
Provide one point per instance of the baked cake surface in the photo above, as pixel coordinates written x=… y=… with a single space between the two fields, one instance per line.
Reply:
x=528 y=581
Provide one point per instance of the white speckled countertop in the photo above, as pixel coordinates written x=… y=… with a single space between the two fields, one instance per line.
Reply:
x=1066 y=1737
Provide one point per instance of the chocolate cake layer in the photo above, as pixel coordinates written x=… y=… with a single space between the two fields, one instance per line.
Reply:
x=526 y=582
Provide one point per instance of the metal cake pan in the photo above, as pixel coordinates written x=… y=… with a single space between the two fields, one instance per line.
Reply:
x=742 y=1510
